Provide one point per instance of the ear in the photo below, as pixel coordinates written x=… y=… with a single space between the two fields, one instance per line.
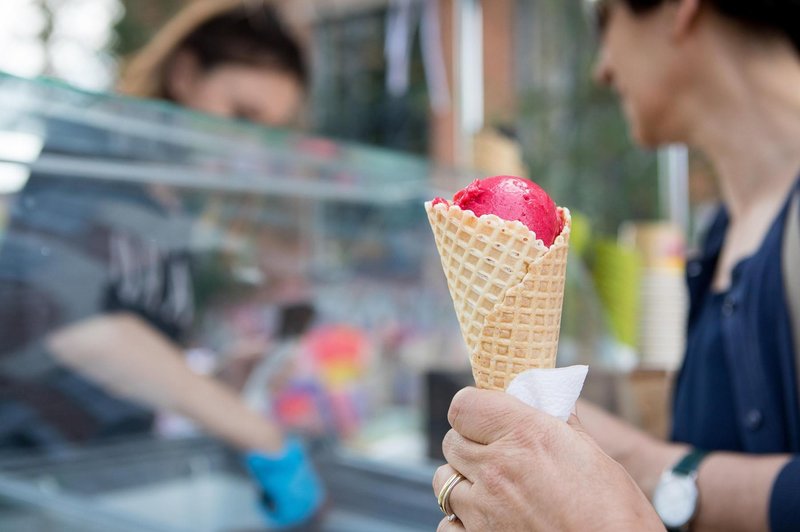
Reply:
x=686 y=16
x=182 y=74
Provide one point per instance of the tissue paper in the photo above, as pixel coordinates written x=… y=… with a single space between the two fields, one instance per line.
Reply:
x=553 y=391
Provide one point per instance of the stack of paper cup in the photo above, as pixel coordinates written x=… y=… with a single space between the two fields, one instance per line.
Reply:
x=663 y=299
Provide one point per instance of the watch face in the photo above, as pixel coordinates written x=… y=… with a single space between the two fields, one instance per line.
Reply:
x=675 y=500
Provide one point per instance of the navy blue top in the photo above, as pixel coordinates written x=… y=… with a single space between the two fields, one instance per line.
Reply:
x=737 y=390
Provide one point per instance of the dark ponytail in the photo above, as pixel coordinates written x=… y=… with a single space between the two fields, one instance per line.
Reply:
x=775 y=16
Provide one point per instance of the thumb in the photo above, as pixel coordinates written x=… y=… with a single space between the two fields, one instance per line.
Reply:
x=575 y=422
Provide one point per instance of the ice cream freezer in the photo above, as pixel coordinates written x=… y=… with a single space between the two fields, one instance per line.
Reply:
x=320 y=247
x=197 y=485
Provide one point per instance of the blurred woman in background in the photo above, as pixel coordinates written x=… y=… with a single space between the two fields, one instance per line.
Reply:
x=243 y=60
x=117 y=332
x=229 y=58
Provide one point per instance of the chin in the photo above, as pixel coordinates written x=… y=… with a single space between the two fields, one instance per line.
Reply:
x=645 y=141
x=652 y=128
x=644 y=136
x=638 y=137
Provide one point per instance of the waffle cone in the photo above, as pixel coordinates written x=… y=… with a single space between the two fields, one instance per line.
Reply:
x=507 y=289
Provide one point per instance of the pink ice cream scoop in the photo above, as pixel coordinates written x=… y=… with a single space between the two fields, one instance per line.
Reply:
x=512 y=199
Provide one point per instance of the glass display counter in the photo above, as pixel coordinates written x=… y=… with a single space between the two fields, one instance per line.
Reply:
x=300 y=271
x=197 y=485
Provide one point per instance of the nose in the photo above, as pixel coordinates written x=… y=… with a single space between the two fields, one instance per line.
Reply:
x=602 y=74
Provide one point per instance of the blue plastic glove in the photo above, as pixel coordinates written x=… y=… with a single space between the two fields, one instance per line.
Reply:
x=291 y=490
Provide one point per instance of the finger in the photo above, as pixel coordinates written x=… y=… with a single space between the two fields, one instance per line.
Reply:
x=575 y=424
x=463 y=454
x=574 y=421
x=460 y=502
x=485 y=416
x=440 y=477
x=450 y=526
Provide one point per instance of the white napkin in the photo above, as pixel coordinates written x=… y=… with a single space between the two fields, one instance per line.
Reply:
x=553 y=391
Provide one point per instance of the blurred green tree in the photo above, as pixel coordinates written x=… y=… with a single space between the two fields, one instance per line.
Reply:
x=574 y=136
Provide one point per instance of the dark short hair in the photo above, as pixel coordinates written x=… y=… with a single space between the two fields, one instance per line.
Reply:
x=253 y=37
x=776 y=16
x=217 y=33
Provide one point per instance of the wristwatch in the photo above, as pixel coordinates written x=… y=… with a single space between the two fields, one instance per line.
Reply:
x=675 y=497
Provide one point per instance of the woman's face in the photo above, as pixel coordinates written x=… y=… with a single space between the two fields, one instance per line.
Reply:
x=641 y=62
x=258 y=94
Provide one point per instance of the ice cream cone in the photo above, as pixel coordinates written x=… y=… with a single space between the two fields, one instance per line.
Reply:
x=507 y=289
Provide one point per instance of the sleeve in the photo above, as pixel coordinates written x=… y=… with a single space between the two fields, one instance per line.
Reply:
x=50 y=272
x=76 y=249
x=784 y=505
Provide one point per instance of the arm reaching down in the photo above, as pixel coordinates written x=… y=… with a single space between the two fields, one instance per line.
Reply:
x=130 y=359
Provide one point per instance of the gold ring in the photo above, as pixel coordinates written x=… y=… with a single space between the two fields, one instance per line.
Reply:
x=444 y=489
x=444 y=495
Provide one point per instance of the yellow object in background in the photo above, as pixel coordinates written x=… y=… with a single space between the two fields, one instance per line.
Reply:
x=581 y=235
x=640 y=281
x=617 y=274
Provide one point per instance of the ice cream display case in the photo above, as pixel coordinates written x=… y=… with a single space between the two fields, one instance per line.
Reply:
x=299 y=270
x=197 y=485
